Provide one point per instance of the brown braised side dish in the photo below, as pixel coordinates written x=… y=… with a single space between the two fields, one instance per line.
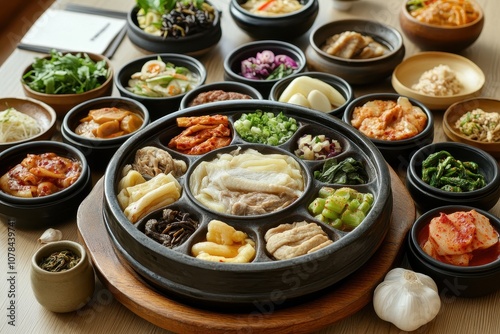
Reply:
x=218 y=95
x=353 y=45
x=172 y=229
x=107 y=123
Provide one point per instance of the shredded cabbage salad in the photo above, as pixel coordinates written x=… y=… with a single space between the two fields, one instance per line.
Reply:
x=15 y=126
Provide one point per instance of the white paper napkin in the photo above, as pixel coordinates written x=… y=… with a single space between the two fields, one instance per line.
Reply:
x=73 y=31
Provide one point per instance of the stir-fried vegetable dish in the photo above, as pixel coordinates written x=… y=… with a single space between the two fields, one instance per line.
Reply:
x=443 y=171
x=347 y=171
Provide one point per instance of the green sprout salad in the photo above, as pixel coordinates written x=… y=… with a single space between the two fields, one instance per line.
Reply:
x=66 y=74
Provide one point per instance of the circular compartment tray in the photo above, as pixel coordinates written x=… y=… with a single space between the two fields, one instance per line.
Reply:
x=337 y=302
x=178 y=274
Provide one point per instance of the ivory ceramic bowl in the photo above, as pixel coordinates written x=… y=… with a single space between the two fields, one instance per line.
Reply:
x=397 y=152
x=159 y=106
x=98 y=151
x=176 y=272
x=41 y=112
x=433 y=37
x=62 y=103
x=193 y=45
x=224 y=86
x=453 y=280
x=284 y=27
x=50 y=210
x=408 y=73
x=458 y=109
x=428 y=197
x=355 y=71
x=63 y=291
x=339 y=84
x=232 y=62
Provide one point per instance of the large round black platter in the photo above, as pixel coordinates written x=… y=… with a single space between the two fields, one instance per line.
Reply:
x=265 y=280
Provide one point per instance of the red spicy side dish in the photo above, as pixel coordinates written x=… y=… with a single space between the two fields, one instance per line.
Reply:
x=40 y=175
x=461 y=238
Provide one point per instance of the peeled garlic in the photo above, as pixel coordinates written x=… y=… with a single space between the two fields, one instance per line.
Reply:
x=50 y=235
x=300 y=100
x=304 y=84
x=319 y=101
x=407 y=299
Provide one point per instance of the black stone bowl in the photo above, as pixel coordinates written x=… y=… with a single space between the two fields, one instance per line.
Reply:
x=397 y=152
x=158 y=106
x=232 y=63
x=193 y=45
x=226 y=86
x=179 y=275
x=428 y=197
x=283 y=27
x=453 y=281
x=336 y=82
x=50 y=210
x=356 y=71
x=98 y=151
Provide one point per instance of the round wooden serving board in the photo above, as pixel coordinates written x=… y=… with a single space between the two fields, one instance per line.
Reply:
x=335 y=303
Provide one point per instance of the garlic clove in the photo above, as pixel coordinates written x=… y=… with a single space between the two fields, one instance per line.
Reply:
x=50 y=235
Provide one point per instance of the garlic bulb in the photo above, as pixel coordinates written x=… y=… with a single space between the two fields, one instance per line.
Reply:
x=407 y=299
x=50 y=235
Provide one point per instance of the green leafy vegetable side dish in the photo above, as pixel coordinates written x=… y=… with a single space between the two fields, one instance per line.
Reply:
x=347 y=171
x=66 y=74
x=443 y=171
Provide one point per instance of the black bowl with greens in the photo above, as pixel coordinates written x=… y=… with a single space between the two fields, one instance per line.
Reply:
x=179 y=26
x=452 y=173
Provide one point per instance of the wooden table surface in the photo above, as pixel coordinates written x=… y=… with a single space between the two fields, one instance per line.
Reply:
x=104 y=314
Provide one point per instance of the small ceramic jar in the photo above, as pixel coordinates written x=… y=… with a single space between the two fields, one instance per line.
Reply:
x=63 y=291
